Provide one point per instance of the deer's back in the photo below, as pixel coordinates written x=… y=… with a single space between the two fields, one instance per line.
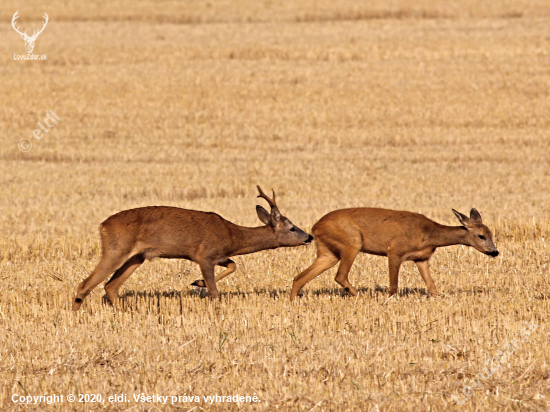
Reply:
x=163 y=231
x=372 y=230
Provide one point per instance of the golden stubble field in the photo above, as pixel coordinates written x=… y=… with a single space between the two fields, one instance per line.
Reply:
x=422 y=106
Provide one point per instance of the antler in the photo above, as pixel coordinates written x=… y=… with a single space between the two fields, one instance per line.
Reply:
x=271 y=202
x=15 y=17
x=35 y=34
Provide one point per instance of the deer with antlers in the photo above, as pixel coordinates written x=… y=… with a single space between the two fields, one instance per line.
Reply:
x=29 y=41
x=130 y=237
x=342 y=234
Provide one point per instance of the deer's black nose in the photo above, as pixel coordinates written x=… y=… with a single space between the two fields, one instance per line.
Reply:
x=309 y=240
x=494 y=253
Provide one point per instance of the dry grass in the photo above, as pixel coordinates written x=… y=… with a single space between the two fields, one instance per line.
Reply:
x=423 y=106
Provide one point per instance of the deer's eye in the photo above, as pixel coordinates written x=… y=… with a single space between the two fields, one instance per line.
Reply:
x=293 y=229
x=481 y=237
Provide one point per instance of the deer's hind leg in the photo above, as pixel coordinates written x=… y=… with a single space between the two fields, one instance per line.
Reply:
x=324 y=261
x=229 y=264
x=120 y=276
x=108 y=264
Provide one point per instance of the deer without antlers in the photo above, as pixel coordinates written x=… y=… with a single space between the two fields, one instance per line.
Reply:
x=130 y=237
x=29 y=41
x=342 y=234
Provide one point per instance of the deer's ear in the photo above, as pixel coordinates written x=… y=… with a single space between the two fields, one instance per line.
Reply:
x=275 y=216
x=475 y=216
x=263 y=214
x=463 y=219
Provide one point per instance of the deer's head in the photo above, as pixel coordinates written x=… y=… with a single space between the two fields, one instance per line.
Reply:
x=285 y=231
x=479 y=236
x=29 y=40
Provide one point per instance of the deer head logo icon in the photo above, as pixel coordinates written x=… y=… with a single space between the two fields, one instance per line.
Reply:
x=29 y=40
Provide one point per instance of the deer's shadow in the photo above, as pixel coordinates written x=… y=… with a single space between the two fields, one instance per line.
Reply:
x=370 y=292
x=153 y=298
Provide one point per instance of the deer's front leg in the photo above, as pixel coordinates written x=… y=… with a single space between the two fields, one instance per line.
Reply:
x=424 y=270
x=394 y=263
x=229 y=264
x=207 y=269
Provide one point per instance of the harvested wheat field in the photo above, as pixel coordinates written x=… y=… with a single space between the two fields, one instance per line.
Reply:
x=410 y=105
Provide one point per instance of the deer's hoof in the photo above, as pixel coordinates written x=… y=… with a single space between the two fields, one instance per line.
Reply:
x=199 y=283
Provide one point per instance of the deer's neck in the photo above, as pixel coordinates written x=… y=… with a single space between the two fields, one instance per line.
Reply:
x=442 y=235
x=252 y=239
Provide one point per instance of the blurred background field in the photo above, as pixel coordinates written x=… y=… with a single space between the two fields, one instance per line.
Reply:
x=414 y=105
